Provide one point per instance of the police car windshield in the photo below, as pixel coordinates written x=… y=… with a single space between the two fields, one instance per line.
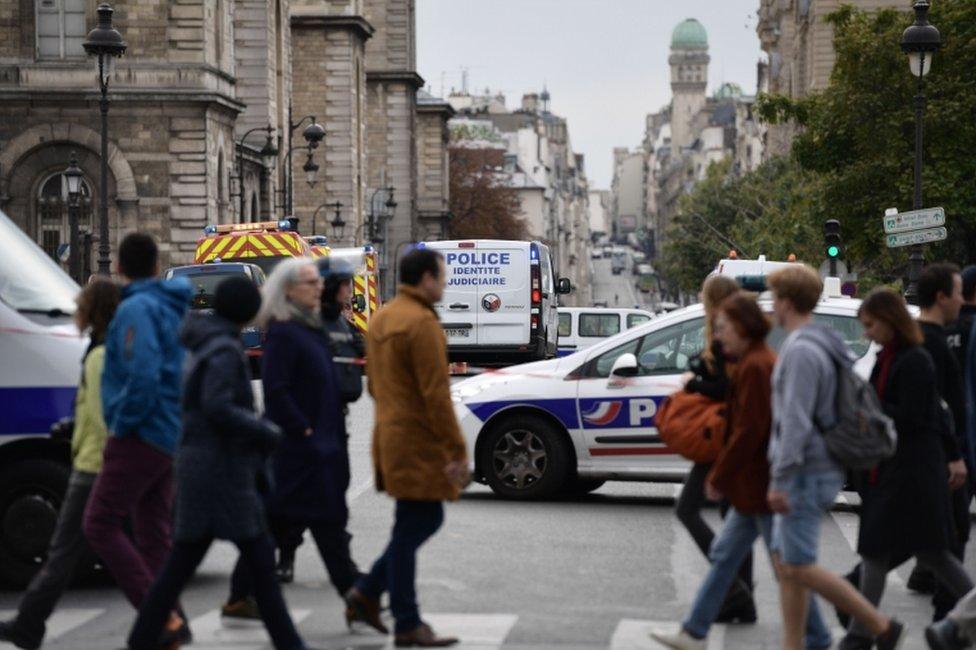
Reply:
x=204 y=282
x=30 y=281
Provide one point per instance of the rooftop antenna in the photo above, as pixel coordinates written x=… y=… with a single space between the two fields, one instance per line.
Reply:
x=464 y=80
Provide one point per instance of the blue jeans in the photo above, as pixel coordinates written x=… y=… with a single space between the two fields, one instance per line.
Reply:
x=396 y=569
x=728 y=550
x=796 y=534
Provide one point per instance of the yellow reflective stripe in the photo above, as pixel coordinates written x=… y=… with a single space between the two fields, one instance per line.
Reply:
x=232 y=251
x=221 y=244
x=360 y=322
x=276 y=243
x=260 y=249
x=204 y=246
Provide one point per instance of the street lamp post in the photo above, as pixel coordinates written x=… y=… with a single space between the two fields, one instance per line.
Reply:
x=920 y=42
x=73 y=177
x=268 y=151
x=337 y=232
x=375 y=215
x=313 y=134
x=104 y=42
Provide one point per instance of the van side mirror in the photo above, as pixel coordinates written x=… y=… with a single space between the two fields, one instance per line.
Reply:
x=564 y=286
x=359 y=303
x=624 y=366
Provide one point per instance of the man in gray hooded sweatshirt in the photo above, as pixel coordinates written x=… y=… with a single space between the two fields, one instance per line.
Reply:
x=804 y=479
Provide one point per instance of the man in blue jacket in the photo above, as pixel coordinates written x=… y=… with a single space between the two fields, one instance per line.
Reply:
x=140 y=397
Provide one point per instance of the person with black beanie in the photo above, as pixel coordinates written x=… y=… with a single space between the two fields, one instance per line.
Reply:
x=220 y=470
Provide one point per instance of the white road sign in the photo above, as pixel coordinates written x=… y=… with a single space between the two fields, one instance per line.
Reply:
x=916 y=237
x=914 y=220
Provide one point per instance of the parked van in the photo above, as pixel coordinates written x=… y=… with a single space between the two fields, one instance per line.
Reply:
x=500 y=302
x=581 y=327
x=40 y=362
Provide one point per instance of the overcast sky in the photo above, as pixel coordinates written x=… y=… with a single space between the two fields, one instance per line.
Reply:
x=605 y=61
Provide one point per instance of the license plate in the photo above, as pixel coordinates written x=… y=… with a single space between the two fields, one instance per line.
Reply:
x=457 y=332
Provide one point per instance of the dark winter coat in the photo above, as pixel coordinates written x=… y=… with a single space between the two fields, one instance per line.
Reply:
x=220 y=462
x=347 y=344
x=311 y=473
x=906 y=506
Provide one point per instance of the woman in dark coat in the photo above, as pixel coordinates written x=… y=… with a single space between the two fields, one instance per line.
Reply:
x=906 y=498
x=220 y=469
x=310 y=468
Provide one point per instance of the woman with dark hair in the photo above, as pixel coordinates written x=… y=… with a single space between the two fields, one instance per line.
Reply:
x=710 y=377
x=906 y=498
x=741 y=472
x=96 y=306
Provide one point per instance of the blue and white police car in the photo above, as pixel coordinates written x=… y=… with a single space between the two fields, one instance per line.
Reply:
x=570 y=424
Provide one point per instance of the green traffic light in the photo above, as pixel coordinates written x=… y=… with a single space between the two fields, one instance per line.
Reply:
x=833 y=251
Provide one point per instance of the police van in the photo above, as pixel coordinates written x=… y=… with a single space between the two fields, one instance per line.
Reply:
x=570 y=424
x=500 y=301
x=41 y=352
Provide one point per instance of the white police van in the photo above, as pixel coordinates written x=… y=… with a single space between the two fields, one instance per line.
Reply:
x=500 y=301
x=570 y=424
x=40 y=364
x=581 y=327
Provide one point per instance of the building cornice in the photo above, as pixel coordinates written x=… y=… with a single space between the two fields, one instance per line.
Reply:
x=408 y=77
x=315 y=20
x=437 y=108
x=122 y=96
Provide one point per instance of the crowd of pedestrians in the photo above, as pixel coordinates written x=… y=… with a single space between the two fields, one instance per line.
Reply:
x=169 y=452
x=778 y=475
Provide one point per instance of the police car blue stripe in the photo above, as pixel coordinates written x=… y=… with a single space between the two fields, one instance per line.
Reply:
x=33 y=410
x=563 y=410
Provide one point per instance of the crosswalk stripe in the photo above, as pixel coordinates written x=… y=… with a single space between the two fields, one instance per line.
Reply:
x=635 y=634
x=61 y=622
x=209 y=633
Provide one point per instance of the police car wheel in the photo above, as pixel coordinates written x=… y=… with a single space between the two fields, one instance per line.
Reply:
x=30 y=497
x=526 y=457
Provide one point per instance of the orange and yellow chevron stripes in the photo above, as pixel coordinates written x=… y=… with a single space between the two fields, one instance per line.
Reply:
x=361 y=322
x=245 y=246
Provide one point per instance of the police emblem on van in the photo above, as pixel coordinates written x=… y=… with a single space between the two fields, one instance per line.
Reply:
x=491 y=302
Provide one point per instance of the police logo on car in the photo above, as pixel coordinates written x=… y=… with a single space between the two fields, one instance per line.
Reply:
x=491 y=302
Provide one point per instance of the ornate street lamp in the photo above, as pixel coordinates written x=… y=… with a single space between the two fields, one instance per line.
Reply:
x=920 y=42
x=313 y=134
x=105 y=43
x=376 y=216
x=337 y=223
x=268 y=152
x=311 y=170
x=73 y=176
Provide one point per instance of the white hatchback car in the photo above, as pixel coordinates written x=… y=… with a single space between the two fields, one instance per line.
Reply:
x=570 y=424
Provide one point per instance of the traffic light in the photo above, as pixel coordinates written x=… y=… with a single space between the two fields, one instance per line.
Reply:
x=833 y=243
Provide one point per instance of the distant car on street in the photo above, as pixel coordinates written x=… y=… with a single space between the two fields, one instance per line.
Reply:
x=205 y=277
x=596 y=253
x=618 y=262
x=607 y=250
x=581 y=327
x=567 y=425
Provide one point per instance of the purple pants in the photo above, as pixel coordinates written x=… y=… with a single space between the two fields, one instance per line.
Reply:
x=136 y=482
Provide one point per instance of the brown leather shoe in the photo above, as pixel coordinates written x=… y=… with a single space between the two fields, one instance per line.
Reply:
x=360 y=607
x=422 y=637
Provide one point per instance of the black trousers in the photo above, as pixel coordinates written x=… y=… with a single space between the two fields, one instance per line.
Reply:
x=688 y=510
x=68 y=546
x=257 y=558
x=332 y=541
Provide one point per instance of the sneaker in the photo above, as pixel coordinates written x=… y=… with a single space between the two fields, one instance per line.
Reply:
x=944 y=635
x=893 y=638
x=680 y=641
x=10 y=633
x=240 y=612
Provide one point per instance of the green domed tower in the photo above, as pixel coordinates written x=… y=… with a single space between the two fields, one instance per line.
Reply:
x=689 y=79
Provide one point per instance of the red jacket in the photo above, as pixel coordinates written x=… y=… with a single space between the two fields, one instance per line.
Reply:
x=741 y=472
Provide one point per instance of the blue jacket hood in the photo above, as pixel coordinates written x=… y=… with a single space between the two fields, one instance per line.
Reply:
x=175 y=293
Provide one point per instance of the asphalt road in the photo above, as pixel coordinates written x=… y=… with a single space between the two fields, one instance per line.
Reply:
x=616 y=290
x=595 y=572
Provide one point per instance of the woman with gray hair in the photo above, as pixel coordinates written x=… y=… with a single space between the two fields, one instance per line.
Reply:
x=310 y=468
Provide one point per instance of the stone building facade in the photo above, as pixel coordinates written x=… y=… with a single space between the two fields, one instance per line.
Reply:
x=799 y=43
x=197 y=77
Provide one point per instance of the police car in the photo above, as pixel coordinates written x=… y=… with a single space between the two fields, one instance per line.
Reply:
x=570 y=424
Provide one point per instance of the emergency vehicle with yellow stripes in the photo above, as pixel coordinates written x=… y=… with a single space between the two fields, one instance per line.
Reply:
x=266 y=243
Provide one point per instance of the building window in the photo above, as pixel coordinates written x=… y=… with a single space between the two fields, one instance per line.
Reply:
x=52 y=213
x=61 y=29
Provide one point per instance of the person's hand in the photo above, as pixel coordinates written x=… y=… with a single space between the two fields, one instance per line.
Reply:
x=458 y=473
x=308 y=432
x=712 y=493
x=957 y=474
x=778 y=501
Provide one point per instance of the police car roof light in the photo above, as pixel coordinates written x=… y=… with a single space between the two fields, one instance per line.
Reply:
x=284 y=224
x=533 y=253
x=466 y=244
x=755 y=283
x=210 y=230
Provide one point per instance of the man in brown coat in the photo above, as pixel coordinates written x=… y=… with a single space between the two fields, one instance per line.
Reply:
x=419 y=455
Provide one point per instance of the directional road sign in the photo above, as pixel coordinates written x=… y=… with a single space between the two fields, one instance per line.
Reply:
x=914 y=220
x=926 y=236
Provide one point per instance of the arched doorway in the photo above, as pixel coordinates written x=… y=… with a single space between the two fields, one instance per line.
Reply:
x=53 y=228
